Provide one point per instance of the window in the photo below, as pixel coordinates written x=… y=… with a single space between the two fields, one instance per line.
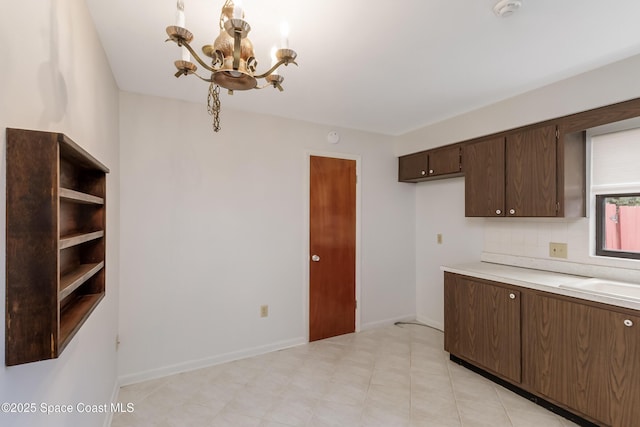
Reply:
x=618 y=225
x=615 y=191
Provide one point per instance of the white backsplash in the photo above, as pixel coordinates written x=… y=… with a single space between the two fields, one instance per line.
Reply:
x=524 y=242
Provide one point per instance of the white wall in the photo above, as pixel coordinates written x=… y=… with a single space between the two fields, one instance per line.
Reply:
x=440 y=210
x=603 y=86
x=213 y=226
x=521 y=240
x=55 y=77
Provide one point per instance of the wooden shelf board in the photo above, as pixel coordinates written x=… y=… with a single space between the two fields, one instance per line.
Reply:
x=74 y=316
x=78 y=197
x=71 y=281
x=77 y=239
x=69 y=149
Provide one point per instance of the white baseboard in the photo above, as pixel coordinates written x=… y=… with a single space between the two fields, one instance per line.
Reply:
x=387 y=322
x=204 y=363
x=114 y=399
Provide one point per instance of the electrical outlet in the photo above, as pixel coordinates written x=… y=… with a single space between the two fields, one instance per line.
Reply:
x=264 y=311
x=439 y=238
x=557 y=250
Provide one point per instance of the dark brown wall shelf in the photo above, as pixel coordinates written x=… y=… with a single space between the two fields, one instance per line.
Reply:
x=55 y=263
x=72 y=280
x=78 y=197
x=80 y=238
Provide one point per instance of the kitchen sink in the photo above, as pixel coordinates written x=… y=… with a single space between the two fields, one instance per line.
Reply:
x=606 y=287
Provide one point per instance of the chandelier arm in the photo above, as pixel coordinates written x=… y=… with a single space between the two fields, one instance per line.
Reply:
x=266 y=85
x=197 y=58
x=209 y=80
x=275 y=67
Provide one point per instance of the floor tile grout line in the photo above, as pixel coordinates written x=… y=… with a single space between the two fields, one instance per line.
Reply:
x=506 y=411
x=453 y=390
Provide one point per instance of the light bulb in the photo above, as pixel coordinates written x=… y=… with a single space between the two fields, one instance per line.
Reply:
x=237 y=9
x=180 y=20
x=284 y=33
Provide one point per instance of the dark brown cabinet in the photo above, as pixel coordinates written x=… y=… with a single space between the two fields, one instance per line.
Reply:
x=55 y=263
x=584 y=357
x=514 y=175
x=482 y=324
x=445 y=161
x=413 y=167
x=437 y=163
x=484 y=177
x=579 y=355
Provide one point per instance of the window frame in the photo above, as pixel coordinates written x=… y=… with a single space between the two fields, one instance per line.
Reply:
x=600 y=227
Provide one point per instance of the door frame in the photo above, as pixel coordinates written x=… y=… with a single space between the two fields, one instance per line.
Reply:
x=305 y=248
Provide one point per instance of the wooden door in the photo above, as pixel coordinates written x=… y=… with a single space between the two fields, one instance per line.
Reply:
x=332 y=248
x=531 y=173
x=484 y=178
x=584 y=357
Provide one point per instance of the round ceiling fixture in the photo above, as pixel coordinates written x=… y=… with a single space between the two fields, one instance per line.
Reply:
x=506 y=8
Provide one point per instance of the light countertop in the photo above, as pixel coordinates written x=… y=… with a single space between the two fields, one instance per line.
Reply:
x=541 y=280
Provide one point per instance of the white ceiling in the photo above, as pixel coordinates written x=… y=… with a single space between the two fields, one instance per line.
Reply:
x=386 y=66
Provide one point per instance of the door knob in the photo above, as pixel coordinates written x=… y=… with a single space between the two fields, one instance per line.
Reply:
x=315 y=258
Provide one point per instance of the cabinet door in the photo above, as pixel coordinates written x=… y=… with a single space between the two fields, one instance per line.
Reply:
x=584 y=357
x=484 y=178
x=444 y=161
x=531 y=173
x=413 y=167
x=482 y=325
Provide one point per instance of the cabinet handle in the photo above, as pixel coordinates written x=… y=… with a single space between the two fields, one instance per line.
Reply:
x=315 y=258
x=512 y=295
x=628 y=322
x=423 y=172
x=498 y=211
x=512 y=211
x=430 y=171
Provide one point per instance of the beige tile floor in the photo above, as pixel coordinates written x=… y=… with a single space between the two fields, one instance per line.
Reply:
x=393 y=376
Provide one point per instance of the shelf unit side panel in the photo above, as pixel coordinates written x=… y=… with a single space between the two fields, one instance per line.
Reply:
x=31 y=246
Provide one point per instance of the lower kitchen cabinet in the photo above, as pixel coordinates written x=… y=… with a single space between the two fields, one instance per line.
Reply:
x=482 y=324
x=584 y=357
x=581 y=356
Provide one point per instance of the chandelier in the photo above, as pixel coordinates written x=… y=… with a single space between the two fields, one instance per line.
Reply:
x=233 y=64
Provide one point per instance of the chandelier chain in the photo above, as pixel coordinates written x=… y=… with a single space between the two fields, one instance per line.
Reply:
x=213 y=105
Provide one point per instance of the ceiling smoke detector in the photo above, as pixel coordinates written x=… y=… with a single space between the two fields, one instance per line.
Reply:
x=505 y=8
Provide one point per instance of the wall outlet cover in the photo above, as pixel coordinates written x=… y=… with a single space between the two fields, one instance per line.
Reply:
x=557 y=250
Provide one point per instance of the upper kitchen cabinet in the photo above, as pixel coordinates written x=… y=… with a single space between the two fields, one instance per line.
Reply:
x=442 y=162
x=484 y=189
x=445 y=161
x=535 y=172
x=413 y=167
